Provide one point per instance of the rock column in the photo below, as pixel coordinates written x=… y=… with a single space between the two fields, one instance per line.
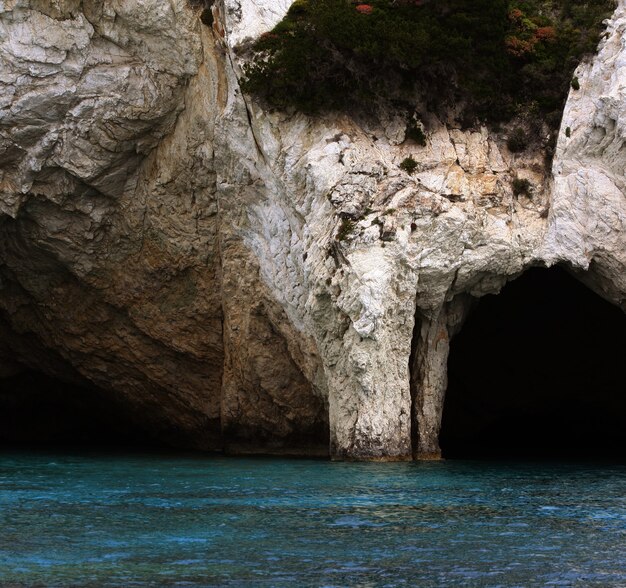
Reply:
x=370 y=405
x=429 y=377
x=430 y=381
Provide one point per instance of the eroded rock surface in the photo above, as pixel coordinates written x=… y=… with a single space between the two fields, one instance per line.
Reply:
x=265 y=281
x=587 y=224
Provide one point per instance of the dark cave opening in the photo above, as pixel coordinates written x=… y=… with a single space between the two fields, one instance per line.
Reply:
x=39 y=410
x=538 y=371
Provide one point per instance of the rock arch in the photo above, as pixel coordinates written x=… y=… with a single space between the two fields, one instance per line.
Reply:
x=537 y=371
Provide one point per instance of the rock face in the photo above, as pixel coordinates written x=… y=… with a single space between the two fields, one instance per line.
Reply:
x=247 y=280
x=587 y=223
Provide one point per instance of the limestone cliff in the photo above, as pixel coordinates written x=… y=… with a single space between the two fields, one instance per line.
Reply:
x=251 y=280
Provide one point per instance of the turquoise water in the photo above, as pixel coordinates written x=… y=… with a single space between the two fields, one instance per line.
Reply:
x=154 y=520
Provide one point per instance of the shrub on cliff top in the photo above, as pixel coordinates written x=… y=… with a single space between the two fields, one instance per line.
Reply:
x=492 y=56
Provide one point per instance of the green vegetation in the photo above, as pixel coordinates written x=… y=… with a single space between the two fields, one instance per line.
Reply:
x=409 y=165
x=415 y=133
x=521 y=186
x=497 y=58
x=517 y=141
x=345 y=229
x=568 y=132
x=575 y=83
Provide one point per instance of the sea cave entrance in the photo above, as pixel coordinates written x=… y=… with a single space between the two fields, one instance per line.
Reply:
x=538 y=371
x=38 y=410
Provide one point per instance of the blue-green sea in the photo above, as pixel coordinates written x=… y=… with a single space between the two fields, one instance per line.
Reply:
x=94 y=519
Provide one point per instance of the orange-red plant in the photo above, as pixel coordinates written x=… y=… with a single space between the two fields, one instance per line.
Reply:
x=519 y=47
x=545 y=34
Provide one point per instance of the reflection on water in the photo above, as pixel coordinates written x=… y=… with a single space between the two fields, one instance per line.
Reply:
x=138 y=520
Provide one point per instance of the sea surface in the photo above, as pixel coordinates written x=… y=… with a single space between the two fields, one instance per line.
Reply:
x=96 y=519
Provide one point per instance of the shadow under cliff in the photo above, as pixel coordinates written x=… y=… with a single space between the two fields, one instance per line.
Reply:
x=538 y=371
x=39 y=410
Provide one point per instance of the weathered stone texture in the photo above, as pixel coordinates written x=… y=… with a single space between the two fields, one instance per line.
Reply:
x=249 y=279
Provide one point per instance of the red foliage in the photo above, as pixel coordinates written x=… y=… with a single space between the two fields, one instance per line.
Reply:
x=545 y=34
x=518 y=47
x=516 y=14
x=365 y=8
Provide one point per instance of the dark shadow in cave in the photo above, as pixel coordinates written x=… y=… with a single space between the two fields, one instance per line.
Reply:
x=538 y=371
x=37 y=409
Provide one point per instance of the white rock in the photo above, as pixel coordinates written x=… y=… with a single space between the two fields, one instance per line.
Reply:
x=173 y=243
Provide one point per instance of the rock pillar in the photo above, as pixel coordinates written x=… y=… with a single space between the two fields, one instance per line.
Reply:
x=370 y=406
x=429 y=375
x=369 y=397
